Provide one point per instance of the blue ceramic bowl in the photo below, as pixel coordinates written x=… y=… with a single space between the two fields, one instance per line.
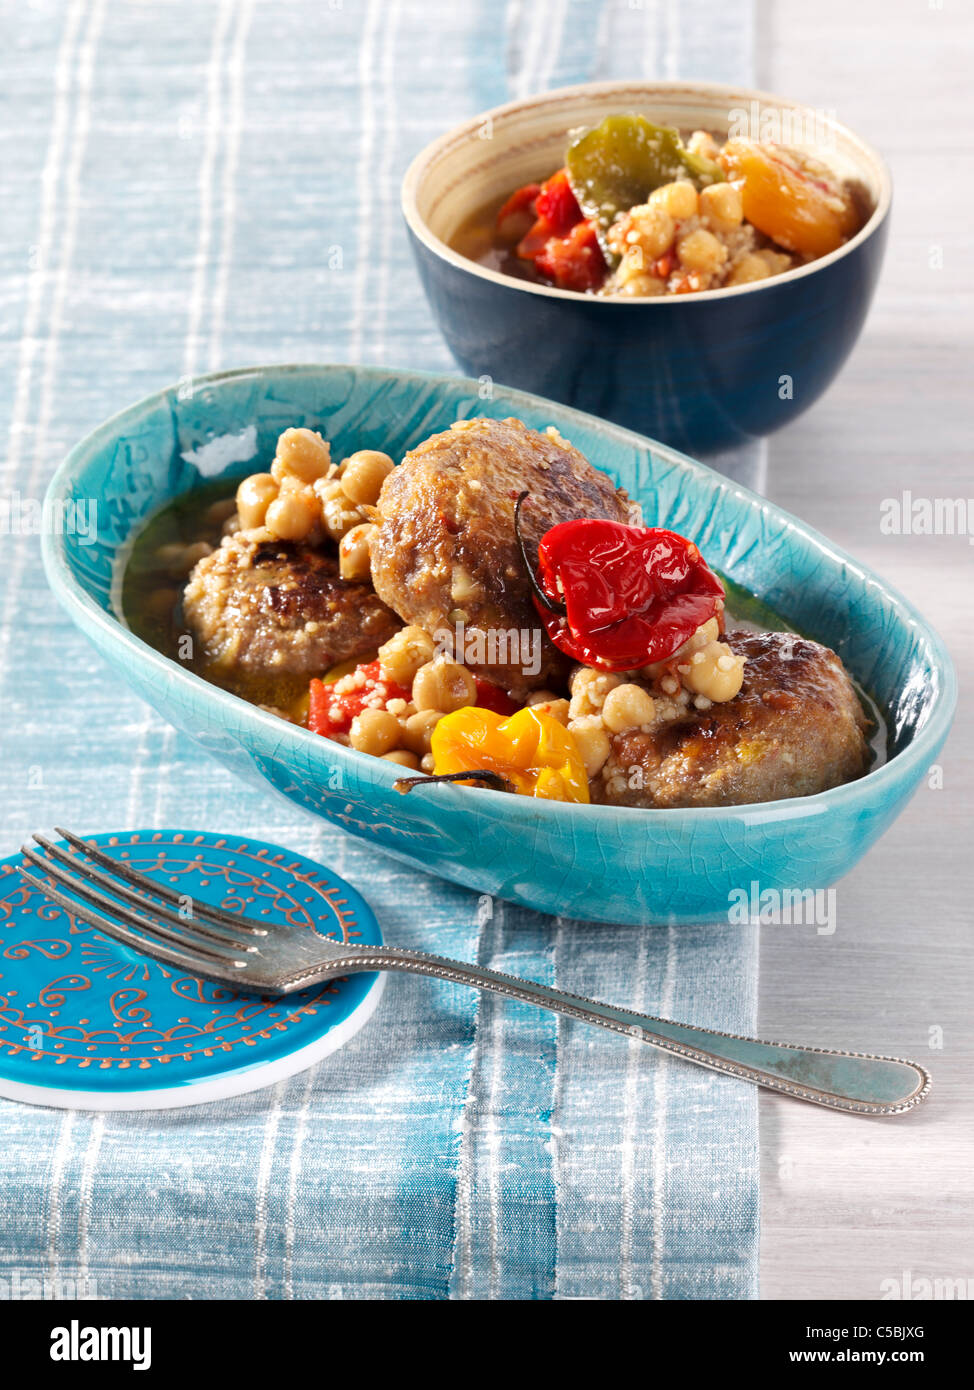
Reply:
x=604 y=863
x=702 y=372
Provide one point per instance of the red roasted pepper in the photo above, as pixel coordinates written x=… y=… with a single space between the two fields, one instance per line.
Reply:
x=575 y=261
x=522 y=200
x=331 y=711
x=563 y=245
x=556 y=204
x=620 y=597
x=491 y=696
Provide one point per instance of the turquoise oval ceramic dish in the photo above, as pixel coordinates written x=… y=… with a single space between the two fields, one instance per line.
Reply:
x=601 y=863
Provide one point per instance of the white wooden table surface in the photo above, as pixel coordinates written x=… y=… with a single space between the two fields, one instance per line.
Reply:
x=850 y=1203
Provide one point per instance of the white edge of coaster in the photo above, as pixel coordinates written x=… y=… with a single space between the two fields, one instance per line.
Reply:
x=218 y=1088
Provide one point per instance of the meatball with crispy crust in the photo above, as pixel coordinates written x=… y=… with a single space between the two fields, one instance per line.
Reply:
x=444 y=550
x=796 y=728
x=266 y=607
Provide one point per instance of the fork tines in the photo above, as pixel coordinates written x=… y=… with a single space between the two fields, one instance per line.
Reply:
x=193 y=938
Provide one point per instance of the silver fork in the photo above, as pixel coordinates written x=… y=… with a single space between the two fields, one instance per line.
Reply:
x=228 y=948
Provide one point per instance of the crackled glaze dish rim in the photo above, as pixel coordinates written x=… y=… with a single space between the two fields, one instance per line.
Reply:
x=641 y=91
x=880 y=780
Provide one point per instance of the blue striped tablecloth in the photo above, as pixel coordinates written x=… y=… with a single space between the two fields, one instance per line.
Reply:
x=187 y=186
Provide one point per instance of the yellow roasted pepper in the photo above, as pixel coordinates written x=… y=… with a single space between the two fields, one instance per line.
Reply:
x=531 y=749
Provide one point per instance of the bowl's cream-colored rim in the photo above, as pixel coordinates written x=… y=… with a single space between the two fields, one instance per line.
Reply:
x=637 y=91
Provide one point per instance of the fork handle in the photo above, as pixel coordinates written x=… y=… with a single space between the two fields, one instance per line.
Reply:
x=854 y=1081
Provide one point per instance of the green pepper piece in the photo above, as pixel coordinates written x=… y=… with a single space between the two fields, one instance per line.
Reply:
x=616 y=165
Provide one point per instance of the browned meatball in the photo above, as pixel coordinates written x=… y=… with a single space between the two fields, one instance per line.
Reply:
x=444 y=550
x=277 y=608
x=796 y=728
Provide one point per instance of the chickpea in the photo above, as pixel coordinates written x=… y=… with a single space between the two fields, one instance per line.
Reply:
x=219 y=512
x=290 y=483
x=700 y=251
x=705 y=633
x=196 y=552
x=161 y=602
x=292 y=516
x=589 y=689
x=586 y=678
x=558 y=709
x=339 y=517
x=443 y=685
x=627 y=707
x=776 y=261
x=715 y=672
x=419 y=730
x=374 y=731
x=353 y=553
x=721 y=205
x=678 y=200
x=327 y=489
x=363 y=475
x=254 y=496
x=656 y=230
x=304 y=454
x=403 y=757
x=646 y=228
x=178 y=560
x=404 y=653
x=641 y=286
x=592 y=743
x=749 y=269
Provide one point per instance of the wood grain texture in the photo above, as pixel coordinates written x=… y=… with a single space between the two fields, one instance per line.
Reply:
x=849 y=1203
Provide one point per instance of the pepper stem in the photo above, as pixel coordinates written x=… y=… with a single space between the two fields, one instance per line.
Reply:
x=483 y=776
x=549 y=603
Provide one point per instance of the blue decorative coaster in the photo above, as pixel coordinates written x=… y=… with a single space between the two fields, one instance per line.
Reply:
x=87 y=1023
